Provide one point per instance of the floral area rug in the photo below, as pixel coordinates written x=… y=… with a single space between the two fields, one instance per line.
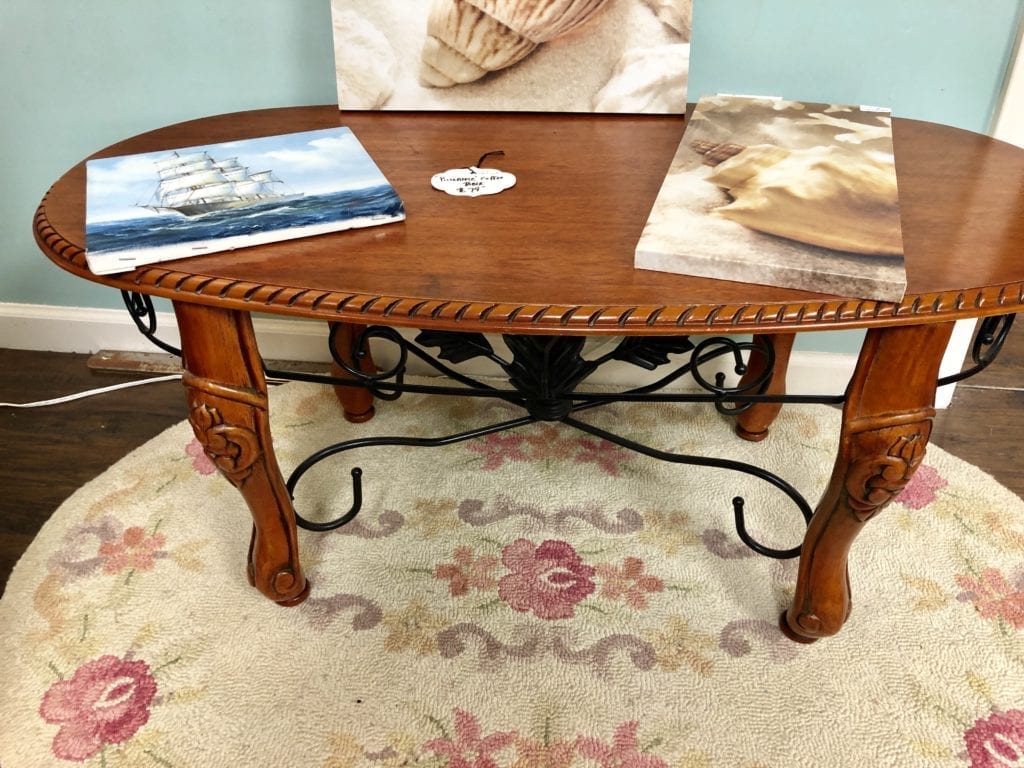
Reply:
x=531 y=599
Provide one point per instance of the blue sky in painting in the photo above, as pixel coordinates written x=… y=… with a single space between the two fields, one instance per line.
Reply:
x=311 y=162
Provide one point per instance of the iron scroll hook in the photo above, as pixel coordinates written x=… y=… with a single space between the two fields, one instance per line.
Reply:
x=703 y=461
x=330 y=525
x=369 y=442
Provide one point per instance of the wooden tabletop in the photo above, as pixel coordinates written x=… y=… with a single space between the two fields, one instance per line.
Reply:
x=555 y=253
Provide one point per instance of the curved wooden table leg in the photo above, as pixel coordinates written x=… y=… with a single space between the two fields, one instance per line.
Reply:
x=356 y=402
x=227 y=400
x=886 y=423
x=752 y=424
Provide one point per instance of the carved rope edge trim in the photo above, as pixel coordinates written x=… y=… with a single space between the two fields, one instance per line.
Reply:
x=331 y=305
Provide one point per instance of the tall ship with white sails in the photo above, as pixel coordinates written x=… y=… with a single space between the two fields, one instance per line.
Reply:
x=195 y=183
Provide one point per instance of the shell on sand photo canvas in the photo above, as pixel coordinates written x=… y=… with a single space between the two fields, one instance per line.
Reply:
x=531 y=55
x=785 y=193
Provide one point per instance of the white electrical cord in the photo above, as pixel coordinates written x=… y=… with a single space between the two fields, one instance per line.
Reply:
x=91 y=392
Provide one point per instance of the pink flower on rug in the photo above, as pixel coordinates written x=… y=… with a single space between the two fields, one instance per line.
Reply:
x=921 y=490
x=994 y=596
x=105 y=702
x=201 y=463
x=549 y=579
x=497 y=449
x=470 y=748
x=996 y=741
x=628 y=582
x=608 y=456
x=467 y=572
x=623 y=752
x=134 y=549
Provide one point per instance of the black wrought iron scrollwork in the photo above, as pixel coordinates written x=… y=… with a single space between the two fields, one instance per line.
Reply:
x=140 y=307
x=357 y=503
x=357 y=472
x=544 y=375
x=547 y=371
x=712 y=462
x=360 y=349
x=988 y=342
x=736 y=349
x=390 y=384
x=701 y=461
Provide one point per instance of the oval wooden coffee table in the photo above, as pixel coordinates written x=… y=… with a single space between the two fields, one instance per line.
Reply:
x=554 y=257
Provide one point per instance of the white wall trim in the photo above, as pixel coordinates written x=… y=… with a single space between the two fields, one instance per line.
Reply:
x=87 y=330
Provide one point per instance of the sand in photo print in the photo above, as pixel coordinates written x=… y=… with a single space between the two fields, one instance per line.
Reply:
x=530 y=55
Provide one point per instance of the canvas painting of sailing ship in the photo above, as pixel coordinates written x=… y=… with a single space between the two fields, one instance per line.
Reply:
x=628 y=56
x=190 y=201
x=783 y=193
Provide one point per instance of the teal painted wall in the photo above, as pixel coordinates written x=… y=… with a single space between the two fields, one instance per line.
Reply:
x=940 y=60
x=78 y=76
x=75 y=77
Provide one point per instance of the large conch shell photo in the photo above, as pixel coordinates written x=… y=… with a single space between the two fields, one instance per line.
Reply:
x=792 y=192
x=784 y=193
x=466 y=39
x=530 y=55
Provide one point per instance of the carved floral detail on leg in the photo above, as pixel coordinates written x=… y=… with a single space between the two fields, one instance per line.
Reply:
x=880 y=460
x=233 y=449
x=873 y=482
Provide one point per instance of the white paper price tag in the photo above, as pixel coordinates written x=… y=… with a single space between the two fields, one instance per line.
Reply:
x=472 y=181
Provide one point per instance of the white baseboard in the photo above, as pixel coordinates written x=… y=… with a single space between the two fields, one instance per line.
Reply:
x=88 y=330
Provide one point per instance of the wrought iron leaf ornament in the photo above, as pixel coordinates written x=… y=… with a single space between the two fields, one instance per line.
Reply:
x=547 y=367
x=456 y=347
x=650 y=352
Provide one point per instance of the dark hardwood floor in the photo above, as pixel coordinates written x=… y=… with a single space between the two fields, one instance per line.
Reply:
x=47 y=453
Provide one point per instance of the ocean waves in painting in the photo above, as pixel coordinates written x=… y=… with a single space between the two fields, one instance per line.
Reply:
x=361 y=207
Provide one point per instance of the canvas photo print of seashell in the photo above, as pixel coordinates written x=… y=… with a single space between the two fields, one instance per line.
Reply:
x=628 y=56
x=782 y=193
